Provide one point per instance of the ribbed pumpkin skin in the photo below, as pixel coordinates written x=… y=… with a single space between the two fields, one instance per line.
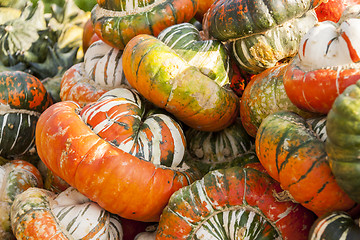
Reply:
x=215 y=150
x=134 y=188
x=209 y=56
x=342 y=144
x=238 y=18
x=40 y=214
x=293 y=155
x=326 y=64
x=335 y=226
x=164 y=78
x=100 y=72
x=261 y=32
x=263 y=95
x=233 y=203
x=117 y=27
x=23 y=97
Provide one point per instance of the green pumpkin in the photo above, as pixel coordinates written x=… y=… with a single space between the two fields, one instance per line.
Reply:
x=22 y=99
x=335 y=226
x=260 y=33
x=214 y=150
x=343 y=142
x=209 y=56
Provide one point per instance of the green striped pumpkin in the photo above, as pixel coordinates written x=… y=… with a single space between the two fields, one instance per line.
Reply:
x=209 y=56
x=262 y=32
x=22 y=99
x=215 y=150
x=335 y=226
x=343 y=143
x=116 y=22
x=233 y=203
x=40 y=214
x=318 y=126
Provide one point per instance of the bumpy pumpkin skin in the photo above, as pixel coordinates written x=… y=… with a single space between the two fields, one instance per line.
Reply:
x=231 y=204
x=293 y=155
x=342 y=143
x=263 y=95
x=162 y=76
x=135 y=188
x=118 y=22
x=327 y=63
x=334 y=226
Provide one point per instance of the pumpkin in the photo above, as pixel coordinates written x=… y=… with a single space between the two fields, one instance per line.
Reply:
x=116 y=22
x=331 y=10
x=342 y=143
x=214 y=150
x=16 y=176
x=334 y=226
x=100 y=72
x=260 y=33
x=263 y=95
x=89 y=36
x=326 y=63
x=52 y=182
x=134 y=159
x=233 y=203
x=41 y=214
x=164 y=78
x=293 y=155
x=22 y=99
x=209 y=56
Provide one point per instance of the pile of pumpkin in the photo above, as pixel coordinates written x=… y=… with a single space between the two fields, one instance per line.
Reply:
x=180 y=119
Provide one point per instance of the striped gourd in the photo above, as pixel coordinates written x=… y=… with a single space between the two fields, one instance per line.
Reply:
x=16 y=176
x=133 y=185
x=263 y=95
x=101 y=71
x=214 y=150
x=40 y=214
x=209 y=56
x=262 y=32
x=119 y=117
x=116 y=22
x=22 y=99
x=327 y=63
x=318 y=125
x=335 y=226
x=167 y=80
x=293 y=155
x=233 y=203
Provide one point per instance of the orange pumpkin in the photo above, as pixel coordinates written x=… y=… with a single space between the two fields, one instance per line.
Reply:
x=121 y=169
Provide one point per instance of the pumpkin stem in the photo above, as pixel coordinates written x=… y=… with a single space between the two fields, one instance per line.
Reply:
x=283 y=196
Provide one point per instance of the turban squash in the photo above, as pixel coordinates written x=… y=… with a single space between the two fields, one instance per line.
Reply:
x=41 y=214
x=333 y=226
x=327 y=62
x=100 y=72
x=233 y=203
x=342 y=144
x=293 y=155
x=163 y=76
x=16 y=176
x=263 y=95
x=118 y=21
x=126 y=160
x=22 y=99
x=260 y=33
